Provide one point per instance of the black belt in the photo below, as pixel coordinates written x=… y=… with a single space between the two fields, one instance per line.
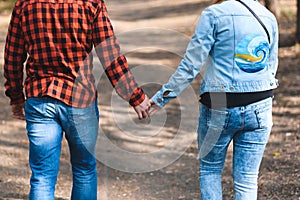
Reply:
x=230 y=100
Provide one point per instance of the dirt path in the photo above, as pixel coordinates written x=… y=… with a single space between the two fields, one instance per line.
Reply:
x=153 y=35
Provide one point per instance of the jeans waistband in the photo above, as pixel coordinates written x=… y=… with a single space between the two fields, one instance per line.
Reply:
x=230 y=100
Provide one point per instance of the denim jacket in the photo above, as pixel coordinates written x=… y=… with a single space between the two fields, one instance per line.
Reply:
x=233 y=49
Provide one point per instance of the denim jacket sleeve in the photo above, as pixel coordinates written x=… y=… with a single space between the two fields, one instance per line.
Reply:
x=273 y=60
x=195 y=56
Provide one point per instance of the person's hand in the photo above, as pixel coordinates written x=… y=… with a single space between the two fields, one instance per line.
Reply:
x=154 y=108
x=18 y=111
x=142 y=110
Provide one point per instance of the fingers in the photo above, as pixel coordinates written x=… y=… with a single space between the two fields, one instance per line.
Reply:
x=142 y=110
x=152 y=102
x=145 y=114
x=142 y=114
x=146 y=109
x=154 y=110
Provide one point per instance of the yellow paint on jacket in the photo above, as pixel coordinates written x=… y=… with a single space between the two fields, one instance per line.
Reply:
x=249 y=57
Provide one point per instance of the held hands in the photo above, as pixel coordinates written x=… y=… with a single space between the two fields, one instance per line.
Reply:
x=155 y=108
x=143 y=110
x=18 y=111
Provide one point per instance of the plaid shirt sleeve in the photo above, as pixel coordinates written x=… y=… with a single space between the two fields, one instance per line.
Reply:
x=115 y=64
x=15 y=55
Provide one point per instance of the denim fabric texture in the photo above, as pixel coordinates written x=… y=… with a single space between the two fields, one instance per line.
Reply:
x=248 y=128
x=233 y=49
x=47 y=119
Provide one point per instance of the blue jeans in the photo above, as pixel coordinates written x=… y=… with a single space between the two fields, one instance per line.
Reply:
x=249 y=128
x=46 y=120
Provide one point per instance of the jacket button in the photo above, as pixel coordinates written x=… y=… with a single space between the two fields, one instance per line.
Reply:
x=271 y=84
x=231 y=88
x=158 y=100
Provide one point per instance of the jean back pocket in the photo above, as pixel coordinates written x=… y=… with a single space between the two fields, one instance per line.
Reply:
x=218 y=119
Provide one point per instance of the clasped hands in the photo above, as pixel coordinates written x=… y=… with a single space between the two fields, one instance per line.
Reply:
x=146 y=109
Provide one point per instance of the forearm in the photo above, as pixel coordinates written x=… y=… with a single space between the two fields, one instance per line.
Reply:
x=15 y=55
x=114 y=63
x=13 y=73
x=178 y=82
x=123 y=81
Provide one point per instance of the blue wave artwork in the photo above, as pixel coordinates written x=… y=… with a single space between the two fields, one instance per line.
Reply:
x=252 y=53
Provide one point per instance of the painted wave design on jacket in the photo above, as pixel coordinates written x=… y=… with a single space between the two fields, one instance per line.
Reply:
x=252 y=53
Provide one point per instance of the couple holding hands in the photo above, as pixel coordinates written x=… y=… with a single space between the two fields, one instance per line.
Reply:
x=236 y=42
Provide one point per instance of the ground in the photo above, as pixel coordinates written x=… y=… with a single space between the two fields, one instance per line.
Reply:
x=153 y=35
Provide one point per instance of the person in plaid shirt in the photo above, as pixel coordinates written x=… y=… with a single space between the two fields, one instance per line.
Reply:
x=55 y=39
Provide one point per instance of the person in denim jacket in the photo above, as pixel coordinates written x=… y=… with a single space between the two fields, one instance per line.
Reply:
x=239 y=68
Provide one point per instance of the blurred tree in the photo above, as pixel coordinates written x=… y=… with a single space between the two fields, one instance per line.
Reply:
x=298 y=22
x=273 y=6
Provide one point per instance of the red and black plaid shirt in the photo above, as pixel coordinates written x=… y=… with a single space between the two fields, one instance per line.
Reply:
x=56 y=38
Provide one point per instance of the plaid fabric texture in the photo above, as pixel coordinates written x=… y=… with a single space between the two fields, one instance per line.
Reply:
x=55 y=39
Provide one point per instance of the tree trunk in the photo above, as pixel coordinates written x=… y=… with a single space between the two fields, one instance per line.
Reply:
x=273 y=6
x=298 y=22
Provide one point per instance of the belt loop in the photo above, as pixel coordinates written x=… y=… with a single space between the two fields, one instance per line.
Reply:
x=242 y=109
